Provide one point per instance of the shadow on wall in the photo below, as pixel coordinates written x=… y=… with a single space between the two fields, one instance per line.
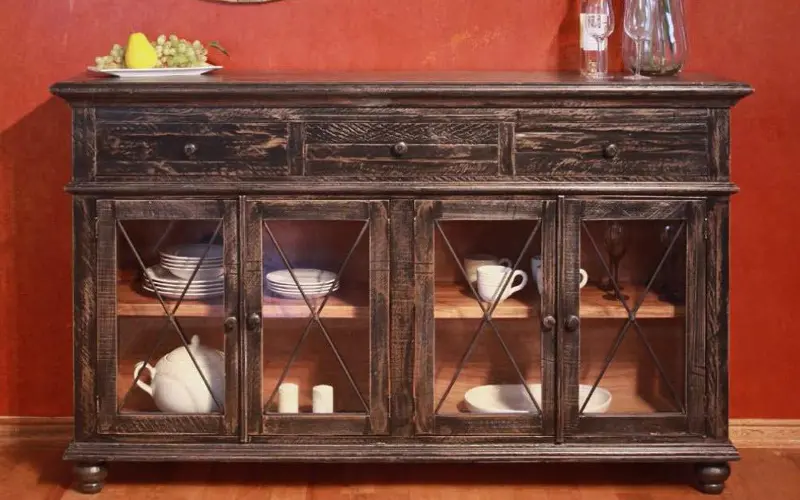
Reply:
x=35 y=257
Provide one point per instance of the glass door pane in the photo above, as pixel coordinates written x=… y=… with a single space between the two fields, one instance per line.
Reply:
x=633 y=337
x=171 y=283
x=317 y=277
x=629 y=268
x=484 y=265
x=314 y=366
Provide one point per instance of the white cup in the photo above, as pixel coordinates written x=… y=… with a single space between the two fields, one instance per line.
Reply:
x=473 y=262
x=492 y=278
x=536 y=269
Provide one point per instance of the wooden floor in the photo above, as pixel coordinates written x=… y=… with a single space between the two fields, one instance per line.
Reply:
x=34 y=470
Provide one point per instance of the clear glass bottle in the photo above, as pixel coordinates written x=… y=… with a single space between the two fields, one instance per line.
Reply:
x=664 y=51
x=597 y=24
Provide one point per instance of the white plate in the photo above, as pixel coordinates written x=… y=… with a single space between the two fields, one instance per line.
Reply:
x=298 y=296
x=304 y=277
x=295 y=288
x=173 y=294
x=186 y=273
x=161 y=275
x=191 y=262
x=154 y=72
x=192 y=252
x=193 y=288
x=512 y=398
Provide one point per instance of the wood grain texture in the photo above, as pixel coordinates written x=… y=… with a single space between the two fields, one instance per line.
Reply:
x=380 y=295
x=106 y=403
x=402 y=326
x=252 y=270
x=717 y=317
x=412 y=133
x=646 y=142
x=84 y=324
x=696 y=317
x=84 y=142
x=720 y=153
x=424 y=329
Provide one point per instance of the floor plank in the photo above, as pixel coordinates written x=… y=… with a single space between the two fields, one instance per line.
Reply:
x=33 y=470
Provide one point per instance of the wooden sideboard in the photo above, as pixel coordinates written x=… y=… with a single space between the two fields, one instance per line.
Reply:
x=390 y=182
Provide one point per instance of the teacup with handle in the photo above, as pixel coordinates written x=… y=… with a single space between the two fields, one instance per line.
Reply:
x=536 y=269
x=491 y=279
x=474 y=261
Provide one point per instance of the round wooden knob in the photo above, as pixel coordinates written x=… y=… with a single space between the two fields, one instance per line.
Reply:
x=611 y=151
x=400 y=148
x=548 y=322
x=230 y=324
x=190 y=149
x=572 y=323
x=254 y=322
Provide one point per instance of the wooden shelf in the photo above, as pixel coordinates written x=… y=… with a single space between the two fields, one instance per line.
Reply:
x=452 y=302
x=345 y=303
x=457 y=302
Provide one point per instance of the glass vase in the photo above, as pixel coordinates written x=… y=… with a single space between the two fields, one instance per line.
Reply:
x=664 y=51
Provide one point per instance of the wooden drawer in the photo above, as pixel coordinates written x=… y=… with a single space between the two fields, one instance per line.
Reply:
x=651 y=143
x=137 y=148
x=398 y=149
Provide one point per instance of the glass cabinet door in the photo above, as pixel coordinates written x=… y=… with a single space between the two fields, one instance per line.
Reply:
x=484 y=321
x=632 y=324
x=167 y=302
x=316 y=279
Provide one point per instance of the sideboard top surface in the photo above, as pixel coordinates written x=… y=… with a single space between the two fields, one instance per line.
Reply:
x=443 y=85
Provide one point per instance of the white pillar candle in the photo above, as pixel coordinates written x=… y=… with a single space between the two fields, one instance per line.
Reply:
x=322 y=399
x=288 y=398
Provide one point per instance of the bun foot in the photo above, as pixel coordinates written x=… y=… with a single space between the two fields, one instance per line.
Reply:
x=90 y=477
x=711 y=477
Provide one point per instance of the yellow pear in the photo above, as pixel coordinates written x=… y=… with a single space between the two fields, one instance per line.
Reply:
x=139 y=54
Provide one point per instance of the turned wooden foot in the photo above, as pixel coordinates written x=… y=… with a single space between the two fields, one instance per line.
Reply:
x=711 y=477
x=90 y=477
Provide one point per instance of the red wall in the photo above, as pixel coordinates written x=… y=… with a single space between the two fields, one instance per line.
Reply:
x=45 y=40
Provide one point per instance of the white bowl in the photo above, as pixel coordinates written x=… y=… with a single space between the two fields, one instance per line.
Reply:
x=186 y=273
x=512 y=398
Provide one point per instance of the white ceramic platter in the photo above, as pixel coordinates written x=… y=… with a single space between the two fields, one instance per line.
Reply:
x=298 y=296
x=204 y=273
x=512 y=398
x=175 y=294
x=161 y=275
x=154 y=72
x=304 y=277
x=192 y=253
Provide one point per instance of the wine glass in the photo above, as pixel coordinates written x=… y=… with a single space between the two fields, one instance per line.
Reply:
x=599 y=25
x=639 y=19
x=616 y=247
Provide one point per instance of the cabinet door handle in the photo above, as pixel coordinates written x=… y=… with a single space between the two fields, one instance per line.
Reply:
x=254 y=322
x=400 y=148
x=572 y=323
x=548 y=322
x=190 y=149
x=611 y=151
x=230 y=324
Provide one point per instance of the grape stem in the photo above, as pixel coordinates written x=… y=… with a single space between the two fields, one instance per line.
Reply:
x=219 y=47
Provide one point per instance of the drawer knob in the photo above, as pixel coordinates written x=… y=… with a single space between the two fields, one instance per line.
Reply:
x=572 y=323
x=611 y=151
x=400 y=148
x=190 y=149
x=548 y=323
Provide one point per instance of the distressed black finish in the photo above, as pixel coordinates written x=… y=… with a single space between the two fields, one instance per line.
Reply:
x=401 y=152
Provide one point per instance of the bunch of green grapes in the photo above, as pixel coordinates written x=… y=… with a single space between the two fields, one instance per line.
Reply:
x=174 y=52
x=113 y=60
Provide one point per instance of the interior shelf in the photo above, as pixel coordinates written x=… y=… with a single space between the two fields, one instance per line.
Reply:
x=453 y=301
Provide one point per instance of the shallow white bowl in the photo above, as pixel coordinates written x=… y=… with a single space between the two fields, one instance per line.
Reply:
x=512 y=398
x=186 y=273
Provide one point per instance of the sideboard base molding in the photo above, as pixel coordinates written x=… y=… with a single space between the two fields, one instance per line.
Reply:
x=623 y=452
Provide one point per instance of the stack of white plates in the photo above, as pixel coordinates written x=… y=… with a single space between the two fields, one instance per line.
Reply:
x=177 y=266
x=313 y=282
